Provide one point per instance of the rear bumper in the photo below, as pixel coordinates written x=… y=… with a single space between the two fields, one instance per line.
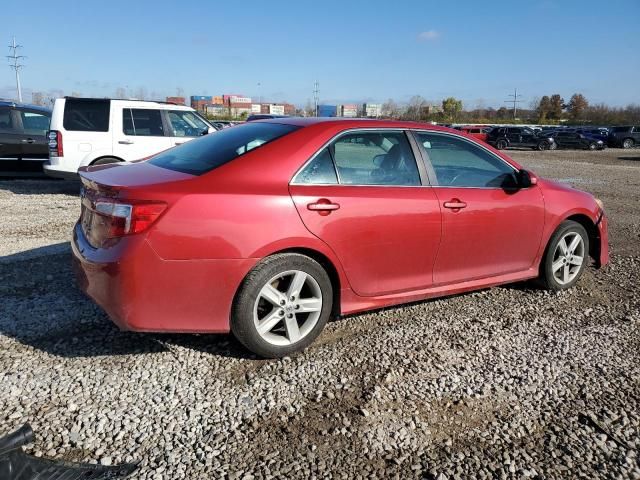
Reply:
x=58 y=167
x=142 y=292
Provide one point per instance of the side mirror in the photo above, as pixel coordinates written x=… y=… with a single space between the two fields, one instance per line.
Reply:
x=524 y=179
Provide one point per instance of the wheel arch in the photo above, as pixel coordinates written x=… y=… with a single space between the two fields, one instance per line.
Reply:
x=329 y=267
x=92 y=162
x=592 y=231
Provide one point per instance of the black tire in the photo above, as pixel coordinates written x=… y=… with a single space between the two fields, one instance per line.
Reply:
x=547 y=279
x=593 y=146
x=242 y=321
x=501 y=144
x=628 y=143
x=106 y=161
x=542 y=146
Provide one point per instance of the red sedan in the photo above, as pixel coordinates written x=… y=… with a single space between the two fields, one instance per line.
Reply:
x=270 y=228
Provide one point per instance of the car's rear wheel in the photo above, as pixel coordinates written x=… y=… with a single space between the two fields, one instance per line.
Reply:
x=282 y=305
x=543 y=146
x=627 y=143
x=566 y=256
x=106 y=161
x=501 y=144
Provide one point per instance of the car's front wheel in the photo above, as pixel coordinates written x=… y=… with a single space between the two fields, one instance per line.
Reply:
x=566 y=256
x=593 y=146
x=627 y=143
x=501 y=144
x=543 y=146
x=282 y=305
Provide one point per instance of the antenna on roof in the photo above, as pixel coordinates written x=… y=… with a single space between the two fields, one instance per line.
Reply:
x=14 y=62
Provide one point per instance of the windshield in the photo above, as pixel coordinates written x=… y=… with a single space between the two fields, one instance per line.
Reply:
x=204 y=154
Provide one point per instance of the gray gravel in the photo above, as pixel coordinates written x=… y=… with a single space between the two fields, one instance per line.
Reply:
x=511 y=382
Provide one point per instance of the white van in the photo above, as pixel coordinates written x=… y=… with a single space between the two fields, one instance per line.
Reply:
x=95 y=131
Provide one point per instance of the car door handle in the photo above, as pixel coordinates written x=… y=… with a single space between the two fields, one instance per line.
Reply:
x=178 y=143
x=323 y=206
x=454 y=204
x=27 y=140
x=126 y=142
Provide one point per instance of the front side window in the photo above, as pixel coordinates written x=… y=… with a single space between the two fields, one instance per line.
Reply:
x=142 y=122
x=375 y=158
x=460 y=163
x=513 y=131
x=204 y=154
x=5 y=119
x=186 y=124
x=86 y=115
x=35 y=123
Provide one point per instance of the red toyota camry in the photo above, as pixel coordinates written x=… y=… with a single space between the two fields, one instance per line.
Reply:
x=270 y=228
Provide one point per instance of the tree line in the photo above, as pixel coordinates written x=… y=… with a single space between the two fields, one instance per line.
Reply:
x=549 y=109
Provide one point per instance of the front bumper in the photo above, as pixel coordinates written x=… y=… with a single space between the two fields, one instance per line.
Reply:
x=142 y=292
x=603 y=230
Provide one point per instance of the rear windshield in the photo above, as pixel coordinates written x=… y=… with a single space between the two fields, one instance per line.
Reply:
x=204 y=154
x=86 y=115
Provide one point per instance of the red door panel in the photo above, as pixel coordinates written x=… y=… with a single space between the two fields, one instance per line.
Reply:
x=385 y=237
x=496 y=232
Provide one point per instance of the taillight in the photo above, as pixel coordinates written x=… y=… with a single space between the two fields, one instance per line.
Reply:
x=129 y=218
x=106 y=220
x=55 y=144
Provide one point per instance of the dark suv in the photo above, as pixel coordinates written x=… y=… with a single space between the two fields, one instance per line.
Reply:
x=23 y=138
x=625 y=137
x=576 y=139
x=523 y=137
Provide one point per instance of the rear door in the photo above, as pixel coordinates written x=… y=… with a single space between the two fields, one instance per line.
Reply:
x=515 y=136
x=139 y=133
x=367 y=198
x=488 y=229
x=35 y=124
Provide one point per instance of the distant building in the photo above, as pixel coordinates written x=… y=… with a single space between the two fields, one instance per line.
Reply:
x=327 y=110
x=217 y=110
x=349 y=110
x=177 y=100
x=200 y=102
x=372 y=110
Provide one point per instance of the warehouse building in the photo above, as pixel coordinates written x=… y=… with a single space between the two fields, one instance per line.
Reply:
x=372 y=110
x=176 y=100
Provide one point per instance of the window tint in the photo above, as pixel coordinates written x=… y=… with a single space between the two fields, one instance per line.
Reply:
x=459 y=163
x=5 y=119
x=86 y=115
x=142 y=122
x=513 y=130
x=204 y=154
x=375 y=158
x=186 y=124
x=35 y=123
x=320 y=170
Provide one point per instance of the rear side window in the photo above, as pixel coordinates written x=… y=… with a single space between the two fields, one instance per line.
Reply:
x=86 y=115
x=204 y=154
x=319 y=171
x=142 y=122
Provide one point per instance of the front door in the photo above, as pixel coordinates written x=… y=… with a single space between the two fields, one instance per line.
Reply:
x=363 y=195
x=185 y=125
x=139 y=133
x=489 y=228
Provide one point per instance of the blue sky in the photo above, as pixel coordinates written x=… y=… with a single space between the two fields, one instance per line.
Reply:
x=358 y=50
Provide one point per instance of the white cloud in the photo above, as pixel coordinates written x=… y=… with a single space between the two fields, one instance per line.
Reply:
x=428 y=35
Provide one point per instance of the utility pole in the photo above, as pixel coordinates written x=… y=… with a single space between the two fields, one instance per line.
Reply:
x=515 y=101
x=316 y=92
x=14 y=62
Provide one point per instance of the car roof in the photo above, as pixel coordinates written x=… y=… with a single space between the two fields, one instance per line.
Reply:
x=4 y=103
x=133 y=100
x=348 y=123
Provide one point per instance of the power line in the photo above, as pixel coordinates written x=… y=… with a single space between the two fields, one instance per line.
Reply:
x=316 y=93
x=14 y=62
x=515 y=101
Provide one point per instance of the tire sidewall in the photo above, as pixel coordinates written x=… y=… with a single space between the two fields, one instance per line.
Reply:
x=501 y=144
x=242 y=325
x=564 y=228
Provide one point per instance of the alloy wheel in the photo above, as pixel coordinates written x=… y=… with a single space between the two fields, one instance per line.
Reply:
x=568 y=258
x=287 y=307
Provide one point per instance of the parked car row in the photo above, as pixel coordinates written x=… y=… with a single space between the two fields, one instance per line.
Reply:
x=588 y=138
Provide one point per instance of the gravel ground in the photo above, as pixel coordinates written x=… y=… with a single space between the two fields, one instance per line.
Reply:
x=512 y=382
